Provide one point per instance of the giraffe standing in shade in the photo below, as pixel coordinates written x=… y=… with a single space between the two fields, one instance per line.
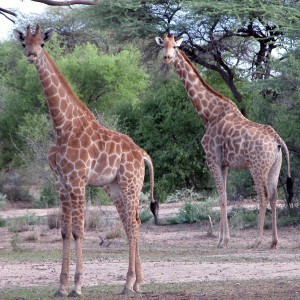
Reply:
x=231 y=140
x=87 y=153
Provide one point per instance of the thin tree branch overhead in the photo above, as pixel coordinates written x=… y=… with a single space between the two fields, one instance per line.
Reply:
x=67 y=2
x=6 y=12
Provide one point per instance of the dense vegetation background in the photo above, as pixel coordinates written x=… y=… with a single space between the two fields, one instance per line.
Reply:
x=247 y=50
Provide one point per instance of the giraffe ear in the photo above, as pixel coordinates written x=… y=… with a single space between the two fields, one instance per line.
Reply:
x=19 y=35
x=47 y=35
x=178 y=42
x=159 y=41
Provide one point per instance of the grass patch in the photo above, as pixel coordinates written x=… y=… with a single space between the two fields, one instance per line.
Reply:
x=2 y=222
x=276 y=289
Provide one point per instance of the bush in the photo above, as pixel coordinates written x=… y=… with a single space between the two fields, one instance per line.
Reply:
x=2 y=222
x=97 y=196
x=3 y=201
x=53 y=220
x=23 y=223
x=47 y=198
x=195 y=212
x=145 y=215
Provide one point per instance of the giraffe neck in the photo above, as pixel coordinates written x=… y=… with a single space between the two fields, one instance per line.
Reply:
x=64 y=106
x=209 y=103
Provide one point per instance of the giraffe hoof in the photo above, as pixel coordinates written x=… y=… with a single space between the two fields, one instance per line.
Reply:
x=137 y=288
x=274 y=246
x=127 y=291
x=59 y=293
x=74 y=294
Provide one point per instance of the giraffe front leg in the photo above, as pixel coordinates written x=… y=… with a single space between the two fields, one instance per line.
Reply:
x=78 y=232
x=220 y=176
x=66 y=237
x=131 y=275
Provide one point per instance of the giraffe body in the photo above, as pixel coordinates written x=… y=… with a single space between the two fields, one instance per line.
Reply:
x=87 y=153
x=231 y=140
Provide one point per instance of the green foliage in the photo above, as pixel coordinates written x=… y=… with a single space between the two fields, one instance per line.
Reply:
x=195 y=212
x=167 y=127
x=2 y=222
x=240 y=185
x=47 y=198
x=243 y=218
x=145 y=215
x=20 y=94
x=104 y=80
x=97 y=196
x=288 y=218
x=23 y=223
x=3 y=201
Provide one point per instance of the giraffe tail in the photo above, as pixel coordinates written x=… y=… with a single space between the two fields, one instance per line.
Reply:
x=289 y=181
x=154 y=206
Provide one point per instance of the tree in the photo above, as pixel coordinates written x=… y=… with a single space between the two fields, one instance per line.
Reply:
x=8 y=13
x=235 y=38
x=100 y=81
x=165 y=124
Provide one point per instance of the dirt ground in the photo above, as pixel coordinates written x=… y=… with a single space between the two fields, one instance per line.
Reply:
x=180 y=254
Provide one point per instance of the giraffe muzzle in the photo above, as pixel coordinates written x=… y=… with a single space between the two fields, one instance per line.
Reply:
x=31 y=57
x=167 y=59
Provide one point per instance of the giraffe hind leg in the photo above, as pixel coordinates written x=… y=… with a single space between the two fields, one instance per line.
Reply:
x=273 y=196
x=131 y=224
x=262 y=193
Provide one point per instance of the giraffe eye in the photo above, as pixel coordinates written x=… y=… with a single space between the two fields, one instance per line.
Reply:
x=23 y=45
x=174 y=47
x=42 y=45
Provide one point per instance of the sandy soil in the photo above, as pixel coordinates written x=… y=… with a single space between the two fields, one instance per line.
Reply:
x=178 y=253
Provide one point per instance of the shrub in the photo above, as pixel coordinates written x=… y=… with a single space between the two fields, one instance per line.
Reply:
x=145 y=215
x=23 y=223
x=97 y=196
x=116 y=232
x=47 y=198
x=195 y=212
x=2 y=222
x=93 y=219
x=3 y=201
x=53 y=220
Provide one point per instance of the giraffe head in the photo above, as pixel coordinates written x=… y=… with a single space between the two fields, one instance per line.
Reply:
x=169 y=45
x=33 y=43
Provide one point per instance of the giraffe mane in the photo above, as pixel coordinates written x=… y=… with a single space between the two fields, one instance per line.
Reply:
x=203 y=81
x=66 y=85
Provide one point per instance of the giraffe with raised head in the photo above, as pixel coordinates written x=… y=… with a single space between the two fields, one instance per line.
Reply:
x=87 y=153
x=231 y=140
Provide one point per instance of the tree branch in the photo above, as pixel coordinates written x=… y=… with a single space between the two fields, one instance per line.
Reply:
x=67 y=2
x=4 y=12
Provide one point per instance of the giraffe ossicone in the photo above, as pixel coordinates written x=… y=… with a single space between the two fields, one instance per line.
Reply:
x=232 y=141
x=87 y=153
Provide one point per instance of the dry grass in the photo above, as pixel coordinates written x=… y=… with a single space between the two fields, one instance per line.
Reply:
x=53 y=219
x=116 y=232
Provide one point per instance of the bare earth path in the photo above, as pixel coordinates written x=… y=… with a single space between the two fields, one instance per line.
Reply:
x=178 y=253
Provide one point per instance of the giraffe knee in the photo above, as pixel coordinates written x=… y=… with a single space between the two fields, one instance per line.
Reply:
x=77 y=234
x=65 y=231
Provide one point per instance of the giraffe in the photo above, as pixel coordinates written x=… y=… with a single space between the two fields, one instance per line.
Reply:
x=231 y=140
x=87 y=153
